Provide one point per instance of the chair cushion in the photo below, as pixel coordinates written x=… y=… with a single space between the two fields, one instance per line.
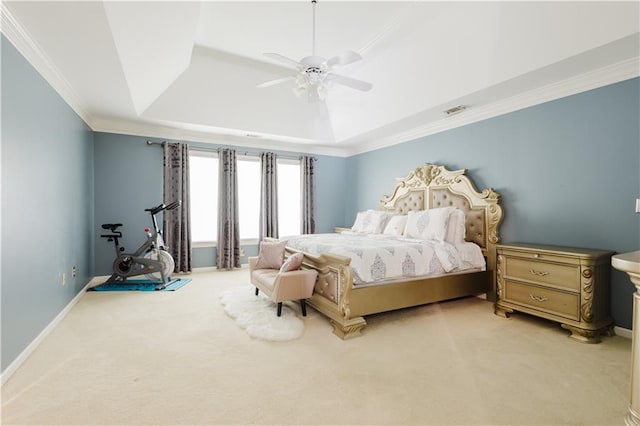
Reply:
x=271 y=254
x=293 y=263
x=264 y=279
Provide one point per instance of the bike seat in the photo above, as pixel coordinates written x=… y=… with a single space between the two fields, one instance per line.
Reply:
x=111 y=226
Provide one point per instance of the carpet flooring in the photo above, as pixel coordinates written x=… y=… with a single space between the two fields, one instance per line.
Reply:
x=133 y=358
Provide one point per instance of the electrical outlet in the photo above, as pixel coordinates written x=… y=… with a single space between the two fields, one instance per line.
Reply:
x=64 y=279
x=637 y=205
x=74 y=272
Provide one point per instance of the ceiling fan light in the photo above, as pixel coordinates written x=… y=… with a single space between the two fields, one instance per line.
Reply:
x=301 y=81
x=315 y=76
x=322 y=91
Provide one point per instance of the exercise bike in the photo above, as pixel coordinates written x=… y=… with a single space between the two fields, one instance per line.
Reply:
x=150 y=259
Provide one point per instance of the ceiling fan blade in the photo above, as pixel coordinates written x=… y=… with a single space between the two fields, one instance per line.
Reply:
x=274 y=82
x=344 y=58
x=351 y=82
x=283 y=59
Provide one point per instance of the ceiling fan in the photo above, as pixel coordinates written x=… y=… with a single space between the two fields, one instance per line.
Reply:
x=314 y=73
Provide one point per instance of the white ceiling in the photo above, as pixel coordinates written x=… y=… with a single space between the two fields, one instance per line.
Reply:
x=189 y=70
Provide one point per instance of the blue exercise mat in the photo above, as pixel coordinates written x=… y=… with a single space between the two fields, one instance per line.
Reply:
x=140 y=285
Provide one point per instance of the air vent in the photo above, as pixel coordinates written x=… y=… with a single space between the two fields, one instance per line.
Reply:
x=455 y=110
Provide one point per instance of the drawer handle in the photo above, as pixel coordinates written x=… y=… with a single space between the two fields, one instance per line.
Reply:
x=538 y=273
x=538 y=298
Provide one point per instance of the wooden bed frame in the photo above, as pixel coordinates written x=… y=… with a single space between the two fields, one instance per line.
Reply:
x=428 y=186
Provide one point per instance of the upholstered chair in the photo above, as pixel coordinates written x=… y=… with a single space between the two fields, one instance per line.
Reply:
x=282 y=285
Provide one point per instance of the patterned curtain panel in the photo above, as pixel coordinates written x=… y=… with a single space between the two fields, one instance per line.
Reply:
x=177 y=229
x=308 y=196
x=268 y=196
x=228 y=226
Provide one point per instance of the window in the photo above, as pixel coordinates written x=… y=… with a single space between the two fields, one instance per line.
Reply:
x=249 y=197
x=203 y=179
x=289 y=197
x=204 y=197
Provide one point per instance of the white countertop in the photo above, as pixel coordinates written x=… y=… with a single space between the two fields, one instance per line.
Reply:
x=627 y=262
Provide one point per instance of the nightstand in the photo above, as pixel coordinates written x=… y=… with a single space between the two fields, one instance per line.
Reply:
x=340 y=230
x=564 y=284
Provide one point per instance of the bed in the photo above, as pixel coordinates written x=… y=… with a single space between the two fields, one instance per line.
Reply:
x=346 y=298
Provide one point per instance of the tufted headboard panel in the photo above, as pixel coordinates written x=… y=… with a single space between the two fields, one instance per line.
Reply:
x=475 y=218
x=412 y=200
x=433 y=186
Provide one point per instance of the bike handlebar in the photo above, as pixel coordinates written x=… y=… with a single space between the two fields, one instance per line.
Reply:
x=161 y=207
x=173 y=205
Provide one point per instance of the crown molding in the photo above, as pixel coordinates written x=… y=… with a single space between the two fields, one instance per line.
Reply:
x=24 y=43
x=601 y=77
x=171 y=132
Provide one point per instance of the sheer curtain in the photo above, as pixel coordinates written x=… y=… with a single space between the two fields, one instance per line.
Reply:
x=228 y=226
x=308 y=196
x=268 y=196
x=177 y=229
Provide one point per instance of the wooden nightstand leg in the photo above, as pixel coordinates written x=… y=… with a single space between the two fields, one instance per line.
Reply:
x=608 y=331
x=502 y=312
x=582 y=335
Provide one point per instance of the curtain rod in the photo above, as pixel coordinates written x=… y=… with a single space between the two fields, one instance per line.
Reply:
x=247 y=153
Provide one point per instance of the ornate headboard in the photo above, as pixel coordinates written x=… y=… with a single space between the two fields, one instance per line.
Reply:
x=431 y=186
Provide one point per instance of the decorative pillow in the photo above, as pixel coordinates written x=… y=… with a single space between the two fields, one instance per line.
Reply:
x=377 y=223
x=359 y=224
x=292 y=263
x=414 y=227
x=396 y=225
x=456 y=229
x=271 y=254
x=428 y=224
x=370 y=222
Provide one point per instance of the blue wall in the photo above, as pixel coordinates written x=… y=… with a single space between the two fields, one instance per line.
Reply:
x=568 y=172
x=47 y=203
x=129 y=179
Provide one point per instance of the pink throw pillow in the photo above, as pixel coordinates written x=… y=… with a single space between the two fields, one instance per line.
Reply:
x=293 y=263
x=271 y=254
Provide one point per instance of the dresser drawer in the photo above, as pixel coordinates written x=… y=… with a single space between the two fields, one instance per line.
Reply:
x=564 y=276
x=543 y=299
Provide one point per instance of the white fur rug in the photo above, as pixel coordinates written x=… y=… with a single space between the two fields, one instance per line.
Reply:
x=257 y=315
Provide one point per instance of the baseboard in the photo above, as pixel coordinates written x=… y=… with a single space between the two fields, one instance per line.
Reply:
x=205 y=269
x=623 y=332
x=215 y=268
x=13 y=367
x=97 y=281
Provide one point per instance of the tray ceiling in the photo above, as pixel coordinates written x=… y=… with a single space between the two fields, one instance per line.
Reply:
x=189 y=70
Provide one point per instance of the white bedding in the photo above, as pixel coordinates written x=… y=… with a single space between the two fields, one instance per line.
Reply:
x=376 y=257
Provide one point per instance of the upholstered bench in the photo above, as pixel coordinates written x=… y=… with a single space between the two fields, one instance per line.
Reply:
x=282 y=286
